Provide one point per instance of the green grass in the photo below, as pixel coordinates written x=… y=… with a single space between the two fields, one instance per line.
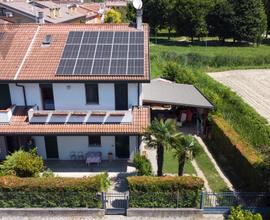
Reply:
x=215 y=182
x=181 y=46
x=171 y=165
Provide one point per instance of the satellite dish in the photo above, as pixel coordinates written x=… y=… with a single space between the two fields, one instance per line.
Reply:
x=137 y=4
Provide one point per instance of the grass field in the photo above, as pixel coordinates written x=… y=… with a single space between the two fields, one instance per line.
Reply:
x=171 y=165
x=211 y=48
x=216 y=183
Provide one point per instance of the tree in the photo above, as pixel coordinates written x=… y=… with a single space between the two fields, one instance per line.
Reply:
x=113 y=16
x=161 y=135
x=185 y=149
x=131 y=13
x=220 y=20
x=249 y=20
x=267 y=10
x=191 y=17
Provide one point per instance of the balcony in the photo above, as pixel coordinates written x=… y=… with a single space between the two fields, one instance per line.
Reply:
x=79 y=117
x=6 y=114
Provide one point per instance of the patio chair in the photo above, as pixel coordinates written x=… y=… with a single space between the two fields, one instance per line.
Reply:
x=72 y=155
x=93 y=157
x=80 y=155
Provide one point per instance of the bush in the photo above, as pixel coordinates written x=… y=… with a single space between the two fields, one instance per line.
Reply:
x=22 y=164
x=143 y=165
x=164 y=192
x=51 y=192
x=239 y=214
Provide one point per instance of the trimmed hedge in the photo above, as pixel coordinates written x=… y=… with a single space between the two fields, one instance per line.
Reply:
x=164 y=192
x=244 y=160
x=50 y=192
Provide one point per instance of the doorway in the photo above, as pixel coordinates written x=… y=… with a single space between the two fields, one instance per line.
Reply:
x=51 y=147
x=47 y=96
x=122 y=147
x=121 y=96
x=5 y=100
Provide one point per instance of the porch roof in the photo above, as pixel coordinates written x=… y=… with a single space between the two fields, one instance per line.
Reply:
x=19 y=125
x=165 y=92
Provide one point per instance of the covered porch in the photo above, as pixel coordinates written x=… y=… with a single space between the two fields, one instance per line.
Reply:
x=78 y=168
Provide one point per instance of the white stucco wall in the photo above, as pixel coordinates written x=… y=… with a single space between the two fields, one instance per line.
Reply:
x=32 y=91
x=132 y=94
x=72 y=96
x=67 y=144
x=40 y=144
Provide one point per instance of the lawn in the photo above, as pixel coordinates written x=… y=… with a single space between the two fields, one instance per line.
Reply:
x=171 y=165
x=216 y=183
x=244 y=56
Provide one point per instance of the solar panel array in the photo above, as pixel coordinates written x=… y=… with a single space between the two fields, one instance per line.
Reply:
x=103 y=53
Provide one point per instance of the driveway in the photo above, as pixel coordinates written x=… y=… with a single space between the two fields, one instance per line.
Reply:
x=252 y=85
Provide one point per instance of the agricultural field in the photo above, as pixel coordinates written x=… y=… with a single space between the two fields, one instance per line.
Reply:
x=252 y=85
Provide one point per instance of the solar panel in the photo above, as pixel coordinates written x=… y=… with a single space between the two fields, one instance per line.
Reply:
x=103 y=53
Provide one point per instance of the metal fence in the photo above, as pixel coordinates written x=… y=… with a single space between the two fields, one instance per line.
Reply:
x=223 y=201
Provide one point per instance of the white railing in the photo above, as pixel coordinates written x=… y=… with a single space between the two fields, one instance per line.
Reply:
x=6 y=114
x=79 y=117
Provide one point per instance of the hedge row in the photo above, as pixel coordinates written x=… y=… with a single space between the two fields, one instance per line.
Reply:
x=164 y=192
x=200 y=60
x=242 y=158
x=50 y=192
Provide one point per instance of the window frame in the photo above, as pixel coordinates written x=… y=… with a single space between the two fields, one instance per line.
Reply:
x=95 y=102
x=95 y=144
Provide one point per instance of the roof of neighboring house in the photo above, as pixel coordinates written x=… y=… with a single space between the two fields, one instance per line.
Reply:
x=23 y=58
x=116 y=3
x=2 y=21
x=31 y=10
x=19 y=125
x=161 y=91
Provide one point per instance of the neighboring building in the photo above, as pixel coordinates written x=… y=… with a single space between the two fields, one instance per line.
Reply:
x=73 y=88
x=30 y=12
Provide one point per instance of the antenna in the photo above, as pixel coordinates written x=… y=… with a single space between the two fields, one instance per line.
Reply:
x=137 y=4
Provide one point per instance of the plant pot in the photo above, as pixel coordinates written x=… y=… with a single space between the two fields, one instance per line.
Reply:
x=110 y=157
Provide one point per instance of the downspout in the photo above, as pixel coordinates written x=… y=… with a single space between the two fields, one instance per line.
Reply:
x=138 y=91
x=24 y=94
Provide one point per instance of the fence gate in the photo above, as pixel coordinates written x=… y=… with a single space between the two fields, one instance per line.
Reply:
x=115 y=203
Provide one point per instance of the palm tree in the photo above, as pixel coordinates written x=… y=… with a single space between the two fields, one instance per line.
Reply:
x=185 y=149
x=161 y=135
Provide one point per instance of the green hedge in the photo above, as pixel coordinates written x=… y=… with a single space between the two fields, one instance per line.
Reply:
x=164 y=192
x=143 y=165
x=50 y=192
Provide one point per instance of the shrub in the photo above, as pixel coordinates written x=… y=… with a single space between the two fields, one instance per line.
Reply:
x=143 y=165
x=50 y=192
x=47 y=173
x=164 y=192
x=237 y=213
x=22 y=164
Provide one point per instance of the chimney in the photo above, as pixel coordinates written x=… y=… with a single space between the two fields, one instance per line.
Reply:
x=57 y=12
x=41 y=17
x=139 y=19
x=52 y=12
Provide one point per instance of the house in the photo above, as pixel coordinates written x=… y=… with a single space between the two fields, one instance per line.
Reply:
x=73 y=89
x=21 y=11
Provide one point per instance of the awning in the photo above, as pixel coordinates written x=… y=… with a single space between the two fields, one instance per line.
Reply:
x=161 y=91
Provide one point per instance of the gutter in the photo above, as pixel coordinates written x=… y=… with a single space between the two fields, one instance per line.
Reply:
x=24 y=94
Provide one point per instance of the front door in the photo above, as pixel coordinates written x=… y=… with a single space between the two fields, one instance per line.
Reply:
x=51 y=147
x=121 y=96
x=5 y=100
x=122 y=147
x=47 y=96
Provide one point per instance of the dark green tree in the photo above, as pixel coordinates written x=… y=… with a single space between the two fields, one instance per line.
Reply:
x=131 y=13
x=249 y=20
x=267 y=10
x=220 y=20
x=191 y=17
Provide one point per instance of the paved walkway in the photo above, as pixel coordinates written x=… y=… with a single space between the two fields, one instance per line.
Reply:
x=201 y=175
x=252 y=85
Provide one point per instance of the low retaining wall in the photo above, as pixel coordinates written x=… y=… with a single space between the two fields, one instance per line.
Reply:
x=51 y=213
x=186 y=213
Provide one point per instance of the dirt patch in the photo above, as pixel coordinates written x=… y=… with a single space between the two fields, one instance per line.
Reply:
x=252 y=85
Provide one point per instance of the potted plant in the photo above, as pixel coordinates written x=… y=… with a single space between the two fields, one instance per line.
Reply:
x=110 y=156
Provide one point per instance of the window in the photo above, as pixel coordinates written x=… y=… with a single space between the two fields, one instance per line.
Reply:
x=91 y=91
x=94 y=141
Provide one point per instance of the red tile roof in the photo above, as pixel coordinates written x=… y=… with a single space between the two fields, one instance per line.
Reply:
x=23 y=59
x=20 y=126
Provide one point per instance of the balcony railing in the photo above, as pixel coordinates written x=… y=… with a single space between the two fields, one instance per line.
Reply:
x=6 y=114
x=78 y=117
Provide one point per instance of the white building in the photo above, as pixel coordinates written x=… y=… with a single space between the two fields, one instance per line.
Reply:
x=73 y=89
